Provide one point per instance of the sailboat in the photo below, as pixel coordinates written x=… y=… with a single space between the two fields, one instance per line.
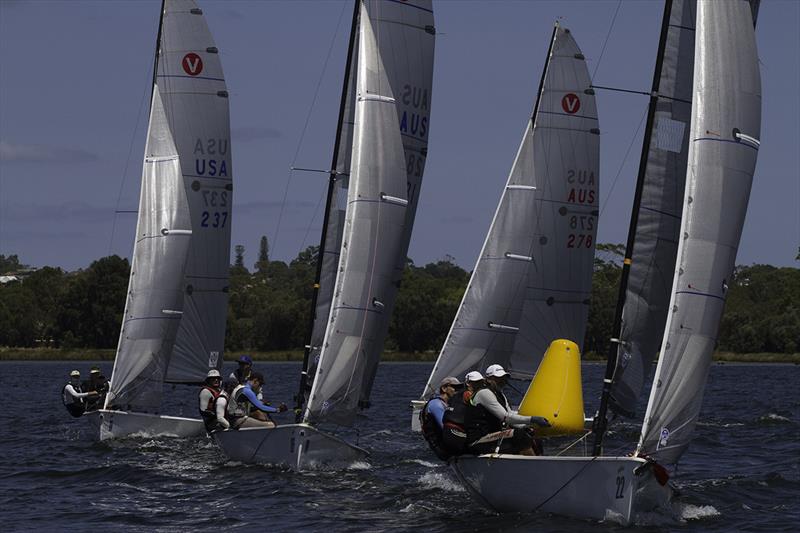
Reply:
x=722 y=149
x=532 y=281
x=173 y=328
x=375 y=177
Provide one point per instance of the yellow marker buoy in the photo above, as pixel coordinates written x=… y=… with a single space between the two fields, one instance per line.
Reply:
x=556 y=392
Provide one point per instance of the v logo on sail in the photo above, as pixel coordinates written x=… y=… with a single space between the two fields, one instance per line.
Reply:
x=192 y=64
x=571 y=103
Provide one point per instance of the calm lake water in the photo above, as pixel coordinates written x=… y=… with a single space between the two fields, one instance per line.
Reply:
x=742 y=472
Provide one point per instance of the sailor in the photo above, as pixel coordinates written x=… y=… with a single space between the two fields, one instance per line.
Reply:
x=73 y=397
x=454 y=434
x=245 y=368
x=489 y=416
x=245 y=409
x=98 y=383
x=432 y=414
x=213 y=402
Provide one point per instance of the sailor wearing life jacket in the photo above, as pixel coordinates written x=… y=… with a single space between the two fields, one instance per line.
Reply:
x=73 y=397
x=246 y=410
x=213 y=402
x=492 y=426
x=432 y=417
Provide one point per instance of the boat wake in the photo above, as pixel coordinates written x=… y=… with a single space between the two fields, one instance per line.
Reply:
x=440 y=481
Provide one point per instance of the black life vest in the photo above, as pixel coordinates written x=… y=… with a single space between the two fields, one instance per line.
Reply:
x=431 y=431
x=479 y=421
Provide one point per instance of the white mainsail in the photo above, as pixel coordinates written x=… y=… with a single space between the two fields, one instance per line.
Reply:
x=195 y=98
x=371 y=241
x=725 y=127
x=659 y=217
x=532 y=282
x=155 y=290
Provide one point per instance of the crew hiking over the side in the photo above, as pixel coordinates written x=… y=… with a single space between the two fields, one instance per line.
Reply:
x=213 y=402
x=492 y=426
x=245 y=409
x=73 y=396
x=431 y=417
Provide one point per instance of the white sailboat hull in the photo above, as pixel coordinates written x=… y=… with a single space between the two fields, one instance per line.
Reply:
x=298 y=446
x=598 y=488
x=117 y=424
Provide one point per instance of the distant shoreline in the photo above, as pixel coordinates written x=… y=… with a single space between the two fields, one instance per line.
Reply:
x=53 y=354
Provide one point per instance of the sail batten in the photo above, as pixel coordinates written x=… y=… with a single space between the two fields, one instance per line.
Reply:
x=727 y=100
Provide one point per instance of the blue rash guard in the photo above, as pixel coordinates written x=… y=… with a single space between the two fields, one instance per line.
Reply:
x=251 y=396
x=437 y=409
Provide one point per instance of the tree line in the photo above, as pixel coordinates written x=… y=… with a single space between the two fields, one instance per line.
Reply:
x=269 y=306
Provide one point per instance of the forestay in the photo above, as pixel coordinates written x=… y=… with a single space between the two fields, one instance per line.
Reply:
x=659 y=218
x=725 y=128
x=196 y=102
x=532 y=282
x=155 y=290
x=372 y=240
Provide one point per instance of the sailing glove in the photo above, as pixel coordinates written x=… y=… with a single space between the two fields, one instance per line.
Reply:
x=540 y=421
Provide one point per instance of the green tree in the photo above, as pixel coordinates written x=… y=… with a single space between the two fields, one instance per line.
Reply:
x=90 y=313
x=263 y=255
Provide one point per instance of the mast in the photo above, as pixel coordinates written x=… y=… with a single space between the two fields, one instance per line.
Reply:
x=299 y=399
x=158 y=48
x=600 y=421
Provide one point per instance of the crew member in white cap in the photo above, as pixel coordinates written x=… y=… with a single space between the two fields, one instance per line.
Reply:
x=490 y=413
x=73 y=397
x=213 y=402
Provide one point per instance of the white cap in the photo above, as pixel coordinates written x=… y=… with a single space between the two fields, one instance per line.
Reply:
x=213 y=373
x=75 y=374
x=473 y=376
x=495 y=371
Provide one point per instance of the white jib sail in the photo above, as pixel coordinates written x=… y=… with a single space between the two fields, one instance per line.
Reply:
x=155 y=290
x=336 y=214
x=725 y=128
x=405 y=35
x=372 y=238
x=196 y=102
x=532 y=281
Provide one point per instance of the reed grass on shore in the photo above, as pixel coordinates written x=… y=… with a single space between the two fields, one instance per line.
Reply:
x=95 y=354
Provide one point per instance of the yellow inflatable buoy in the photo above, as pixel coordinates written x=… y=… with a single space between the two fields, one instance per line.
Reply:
x=556 y=392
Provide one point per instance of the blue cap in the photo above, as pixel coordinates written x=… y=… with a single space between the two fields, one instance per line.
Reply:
x=245 y=359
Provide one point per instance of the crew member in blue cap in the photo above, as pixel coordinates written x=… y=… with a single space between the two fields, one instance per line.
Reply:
x=242 y=374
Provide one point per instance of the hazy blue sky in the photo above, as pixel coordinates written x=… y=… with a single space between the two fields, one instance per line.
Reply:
x=74 y=76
